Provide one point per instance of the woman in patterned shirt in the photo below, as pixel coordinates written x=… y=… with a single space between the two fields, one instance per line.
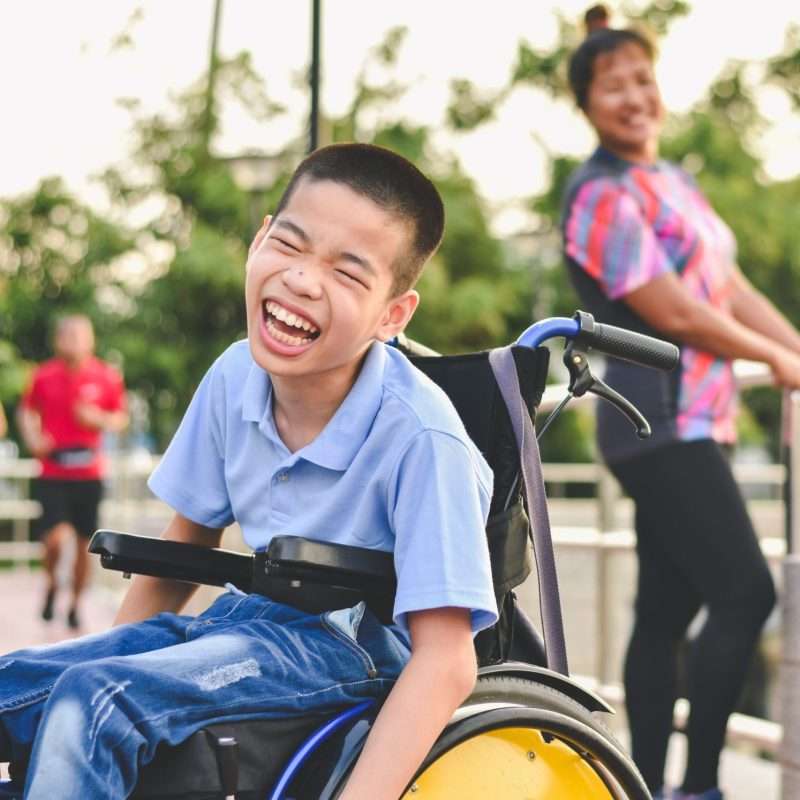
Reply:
x=646 y=251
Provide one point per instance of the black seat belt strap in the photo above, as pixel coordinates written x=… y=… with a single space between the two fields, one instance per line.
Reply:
x=226 y=749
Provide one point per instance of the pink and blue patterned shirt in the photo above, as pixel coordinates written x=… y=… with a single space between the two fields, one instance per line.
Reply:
x=625 y=225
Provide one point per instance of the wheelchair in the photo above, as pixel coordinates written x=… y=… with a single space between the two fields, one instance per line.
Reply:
x=527 y=730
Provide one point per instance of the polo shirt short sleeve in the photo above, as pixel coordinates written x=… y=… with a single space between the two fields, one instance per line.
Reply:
x=191 y=475
x=608 y=235
x=439 y=505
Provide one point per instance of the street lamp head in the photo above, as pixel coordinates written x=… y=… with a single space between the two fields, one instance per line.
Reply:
x=254 y=171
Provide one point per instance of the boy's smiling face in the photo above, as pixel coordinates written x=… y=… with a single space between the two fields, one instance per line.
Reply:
x=318 y=283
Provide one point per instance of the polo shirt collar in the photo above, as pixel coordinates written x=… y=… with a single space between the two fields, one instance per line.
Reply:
x=343 y=436
x=256 y=395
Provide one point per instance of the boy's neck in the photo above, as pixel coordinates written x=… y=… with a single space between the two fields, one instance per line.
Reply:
x=303 y=405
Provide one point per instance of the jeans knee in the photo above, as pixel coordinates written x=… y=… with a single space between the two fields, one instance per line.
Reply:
x=88 y=698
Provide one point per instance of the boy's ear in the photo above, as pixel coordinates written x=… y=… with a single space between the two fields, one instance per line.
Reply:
x=259 y=237
x=398 y=315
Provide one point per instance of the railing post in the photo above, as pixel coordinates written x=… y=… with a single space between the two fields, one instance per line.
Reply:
x=607 y=495
x=790 y=667
x=21 y=530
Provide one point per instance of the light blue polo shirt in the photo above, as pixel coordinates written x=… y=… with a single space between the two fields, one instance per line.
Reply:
x=393 y=470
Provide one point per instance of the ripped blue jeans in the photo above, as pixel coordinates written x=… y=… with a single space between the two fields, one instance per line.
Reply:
x=88 y=713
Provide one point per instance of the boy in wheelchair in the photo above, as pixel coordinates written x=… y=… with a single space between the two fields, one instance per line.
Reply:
x=314 y=428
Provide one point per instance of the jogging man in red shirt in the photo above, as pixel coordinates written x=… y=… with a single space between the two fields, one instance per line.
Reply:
x=71 y=400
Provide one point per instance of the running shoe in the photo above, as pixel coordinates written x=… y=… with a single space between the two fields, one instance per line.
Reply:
x=73 y=620
x=47 y=608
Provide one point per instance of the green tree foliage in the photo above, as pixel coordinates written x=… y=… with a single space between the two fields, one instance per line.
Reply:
x=169 y=327
x=178 y=307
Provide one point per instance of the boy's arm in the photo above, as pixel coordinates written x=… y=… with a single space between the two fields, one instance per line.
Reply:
x=438 y=677
x=148 y=595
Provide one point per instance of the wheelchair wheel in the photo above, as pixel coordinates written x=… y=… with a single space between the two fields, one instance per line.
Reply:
x=530 y=741
x=524 y=692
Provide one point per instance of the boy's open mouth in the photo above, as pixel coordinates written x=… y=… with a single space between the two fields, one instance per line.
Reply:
x=286 y=327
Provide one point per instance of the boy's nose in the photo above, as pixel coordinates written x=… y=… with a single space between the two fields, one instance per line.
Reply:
x=302 y=279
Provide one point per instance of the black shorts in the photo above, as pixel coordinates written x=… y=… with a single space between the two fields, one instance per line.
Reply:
x=75 y=502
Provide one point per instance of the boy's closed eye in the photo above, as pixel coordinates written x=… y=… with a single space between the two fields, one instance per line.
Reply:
x=352 y=278
x=285 y=244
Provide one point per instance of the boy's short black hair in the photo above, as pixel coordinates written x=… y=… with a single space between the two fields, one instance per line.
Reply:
x=600 y=39
x=391 y=182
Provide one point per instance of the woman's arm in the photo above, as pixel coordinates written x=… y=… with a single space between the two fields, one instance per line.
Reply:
x=666 y=305
x=148 y=595
x=755 y=311
x=439 y=676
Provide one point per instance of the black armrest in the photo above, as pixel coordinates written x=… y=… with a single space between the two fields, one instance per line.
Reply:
x=345 y=565
x=305 y=573
x=319 y=576
x=181 y=561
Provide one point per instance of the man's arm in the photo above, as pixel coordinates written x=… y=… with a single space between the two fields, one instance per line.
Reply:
x=437 y=679
x=91 y=416
x=35 y=439
x=148 y=595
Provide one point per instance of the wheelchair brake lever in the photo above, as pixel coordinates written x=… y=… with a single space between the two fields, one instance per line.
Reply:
x=624 y=405
x=582 y=381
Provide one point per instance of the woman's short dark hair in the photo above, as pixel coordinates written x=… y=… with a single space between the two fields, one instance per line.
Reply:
x=391 y=182
x=600 y=39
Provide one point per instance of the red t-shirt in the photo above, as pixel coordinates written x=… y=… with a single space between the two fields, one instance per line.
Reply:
x=54 y=391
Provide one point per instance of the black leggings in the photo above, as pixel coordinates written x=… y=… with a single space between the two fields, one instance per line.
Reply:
x=696 y=548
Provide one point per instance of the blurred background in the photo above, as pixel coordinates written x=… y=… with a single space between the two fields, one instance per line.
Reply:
x=143 y=142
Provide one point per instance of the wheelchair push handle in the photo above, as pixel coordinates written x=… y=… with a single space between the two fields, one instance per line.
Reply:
x=586 y=334
x=628 y=345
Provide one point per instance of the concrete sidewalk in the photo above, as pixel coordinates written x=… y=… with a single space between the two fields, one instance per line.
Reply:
x=21 y=599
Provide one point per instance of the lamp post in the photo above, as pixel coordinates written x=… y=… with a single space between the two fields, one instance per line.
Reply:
x=314 y=76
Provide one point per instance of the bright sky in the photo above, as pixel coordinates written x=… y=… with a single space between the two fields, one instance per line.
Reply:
x=61 y=80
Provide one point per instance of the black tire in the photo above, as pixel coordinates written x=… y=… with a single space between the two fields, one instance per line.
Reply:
x=527 y=692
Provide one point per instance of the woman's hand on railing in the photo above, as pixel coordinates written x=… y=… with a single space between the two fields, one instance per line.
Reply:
x=785 y=366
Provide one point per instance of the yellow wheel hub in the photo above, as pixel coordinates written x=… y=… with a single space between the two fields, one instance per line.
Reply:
x=512 y=764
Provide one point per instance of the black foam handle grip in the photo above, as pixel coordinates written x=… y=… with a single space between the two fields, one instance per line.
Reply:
x=627 y=345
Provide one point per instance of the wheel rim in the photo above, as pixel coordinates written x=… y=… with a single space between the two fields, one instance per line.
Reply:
x=512 y=763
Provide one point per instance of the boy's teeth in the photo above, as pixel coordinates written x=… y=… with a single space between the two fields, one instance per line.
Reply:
x=287 y=317
x=285 y=337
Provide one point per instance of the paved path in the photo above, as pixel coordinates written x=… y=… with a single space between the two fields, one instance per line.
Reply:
x=21 y=597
